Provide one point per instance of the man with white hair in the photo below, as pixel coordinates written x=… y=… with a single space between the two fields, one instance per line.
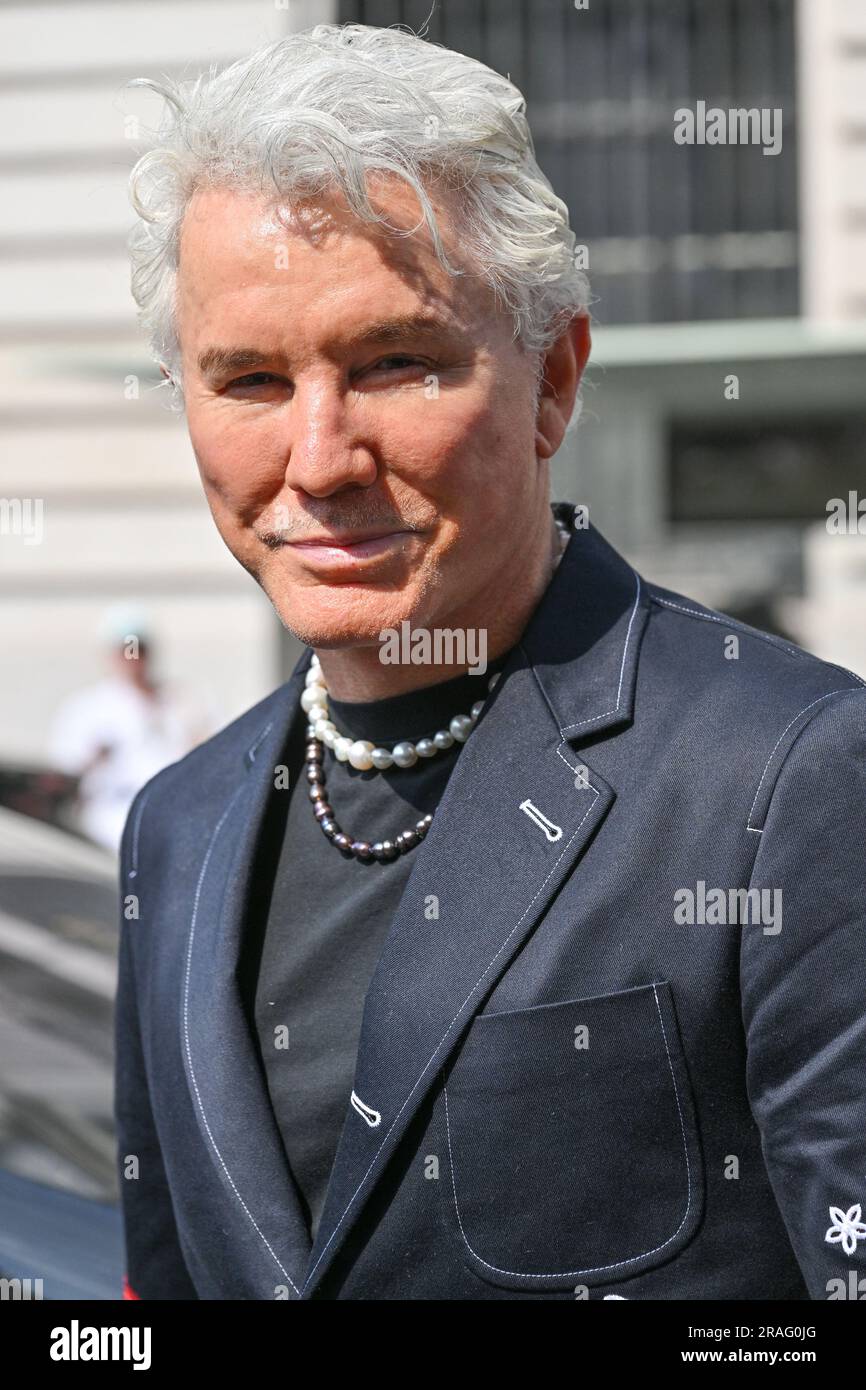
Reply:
x=513 y=947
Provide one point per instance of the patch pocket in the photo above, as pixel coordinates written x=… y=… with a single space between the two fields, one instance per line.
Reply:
x=572 y=1141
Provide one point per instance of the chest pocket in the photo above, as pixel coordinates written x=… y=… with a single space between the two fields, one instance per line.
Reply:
x=572 y=1141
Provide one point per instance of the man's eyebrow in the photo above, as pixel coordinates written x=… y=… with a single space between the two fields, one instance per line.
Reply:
x=220 y=361
x=217 y=361
x=403 y=326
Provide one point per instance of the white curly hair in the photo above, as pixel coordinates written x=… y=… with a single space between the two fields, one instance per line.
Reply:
x=322 y=108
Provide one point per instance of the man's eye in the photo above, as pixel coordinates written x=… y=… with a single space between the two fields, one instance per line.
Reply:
x=396 y=362
x=402 y=359
x=254 y=379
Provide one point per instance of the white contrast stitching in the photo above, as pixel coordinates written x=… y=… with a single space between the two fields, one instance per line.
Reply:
x=779 y=740
x=628 y=637
x=254 y=747
x=424 y=1070
x=594 y=717
x=726 y=622
x=573 y=767
x=366 y=1112
x=596 y=1269
x=133 y=870
x=732 y=622
x=246 y=1209
x=751 y=632
x=553 y=832
x=847 y=1228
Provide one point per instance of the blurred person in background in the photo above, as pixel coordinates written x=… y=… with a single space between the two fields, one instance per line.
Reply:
x=115 y=734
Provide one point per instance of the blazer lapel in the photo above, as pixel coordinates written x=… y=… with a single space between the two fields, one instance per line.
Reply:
x=227 y=1089
x=518 y=811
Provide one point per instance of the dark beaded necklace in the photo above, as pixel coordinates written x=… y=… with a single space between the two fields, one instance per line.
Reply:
x=382 y=851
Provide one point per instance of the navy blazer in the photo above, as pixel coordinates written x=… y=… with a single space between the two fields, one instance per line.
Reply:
x=614 y=1045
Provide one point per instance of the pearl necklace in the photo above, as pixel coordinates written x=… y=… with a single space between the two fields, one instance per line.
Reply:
x=361 y=753
x=365 y=756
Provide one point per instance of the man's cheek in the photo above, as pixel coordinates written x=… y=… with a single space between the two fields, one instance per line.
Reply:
x=230 y=481
x=231 y=517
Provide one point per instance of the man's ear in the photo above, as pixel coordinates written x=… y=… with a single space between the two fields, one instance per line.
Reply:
x=563 y=365
x=164 y=369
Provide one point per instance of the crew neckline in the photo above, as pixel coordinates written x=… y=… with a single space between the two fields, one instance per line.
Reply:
x=414 y=714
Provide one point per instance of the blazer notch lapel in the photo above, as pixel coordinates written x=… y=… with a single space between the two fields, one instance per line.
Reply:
x=227 y=1089
x=510 y=828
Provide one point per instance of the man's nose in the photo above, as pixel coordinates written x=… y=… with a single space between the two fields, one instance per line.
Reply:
x=326 y=449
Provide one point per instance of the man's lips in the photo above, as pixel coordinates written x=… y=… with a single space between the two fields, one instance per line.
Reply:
x=350 y=547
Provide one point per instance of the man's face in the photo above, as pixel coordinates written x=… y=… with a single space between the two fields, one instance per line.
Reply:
x=378 y=398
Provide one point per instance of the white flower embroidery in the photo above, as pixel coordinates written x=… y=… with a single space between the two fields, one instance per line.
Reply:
x=847 y=1227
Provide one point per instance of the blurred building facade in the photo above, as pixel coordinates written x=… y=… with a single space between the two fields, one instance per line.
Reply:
x=724 y=406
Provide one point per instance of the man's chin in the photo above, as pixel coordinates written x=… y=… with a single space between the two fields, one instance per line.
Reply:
x=335 y=631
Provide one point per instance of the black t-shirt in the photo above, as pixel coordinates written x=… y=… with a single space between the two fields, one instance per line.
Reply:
x=321 y=920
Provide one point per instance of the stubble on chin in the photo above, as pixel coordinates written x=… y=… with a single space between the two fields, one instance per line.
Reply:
x=356 y=620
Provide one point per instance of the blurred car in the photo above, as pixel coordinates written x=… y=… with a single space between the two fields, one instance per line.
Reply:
x=59 y=1218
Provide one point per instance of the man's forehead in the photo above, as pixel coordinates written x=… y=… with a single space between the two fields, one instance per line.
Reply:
x=248 y=241
x=245 y=223
x=313 y=218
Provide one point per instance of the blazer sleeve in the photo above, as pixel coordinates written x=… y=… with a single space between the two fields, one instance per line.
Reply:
x=803 y=983
x=154 y=1263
